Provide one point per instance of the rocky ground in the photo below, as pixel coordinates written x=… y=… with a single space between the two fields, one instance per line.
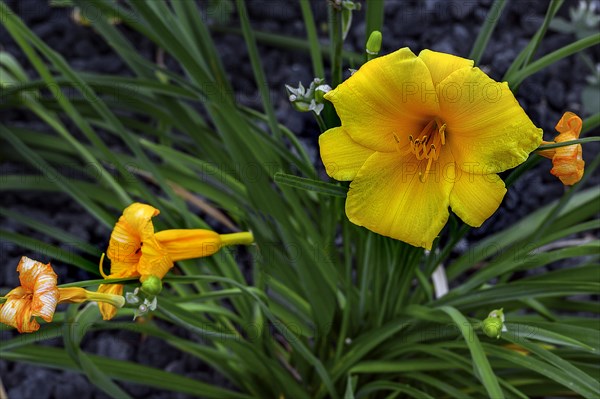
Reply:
x=448 y=26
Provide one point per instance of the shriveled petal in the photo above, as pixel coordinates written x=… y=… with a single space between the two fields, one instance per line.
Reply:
x=341 y=155
x=131 y=230
x=568 y=164
x=486 y=126
x=476 y=197
x=569 y=126
x=389 y=95
x=388 y=197
x=16 y=312
x=40 y=280
x=106 y=310
x=441 y=65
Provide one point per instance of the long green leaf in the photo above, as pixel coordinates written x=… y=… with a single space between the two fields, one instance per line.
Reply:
x=483 y=370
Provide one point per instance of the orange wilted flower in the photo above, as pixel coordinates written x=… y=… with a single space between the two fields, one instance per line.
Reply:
x=421 y=134
x=135 y=250
x=36 y=296
x=567 y=161
x=39 y=294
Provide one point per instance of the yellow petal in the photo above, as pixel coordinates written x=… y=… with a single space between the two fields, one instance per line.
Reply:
x=154 y=260
x=39 y=280
x=109 y=311
x=189 y=243
x=72 y=295
x=476 y=197
x=130 y=233
x=388 y=197
x=441 y=65
x=486 y=126
x=341 y=155
x=389 y=95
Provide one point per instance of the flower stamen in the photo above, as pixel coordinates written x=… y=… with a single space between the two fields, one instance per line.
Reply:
x=428 y=146
x=399 y=148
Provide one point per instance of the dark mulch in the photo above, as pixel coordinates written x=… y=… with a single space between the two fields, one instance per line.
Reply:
x=436 y=24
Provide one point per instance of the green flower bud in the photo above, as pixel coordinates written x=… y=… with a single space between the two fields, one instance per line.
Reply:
x=152 y=286
x=374 y=43
x=492 y=327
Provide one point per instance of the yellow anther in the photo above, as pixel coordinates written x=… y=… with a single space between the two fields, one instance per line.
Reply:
x=428 y=144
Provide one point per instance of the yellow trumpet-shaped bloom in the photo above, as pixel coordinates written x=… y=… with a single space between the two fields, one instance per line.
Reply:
x=38 y=295
x=135 y=250
x=421 y=134
x=567 y=162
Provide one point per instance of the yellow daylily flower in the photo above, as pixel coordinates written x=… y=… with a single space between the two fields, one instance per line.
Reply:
x=135 y=250
x=567 y=162
x=419 y=135
x=38 y=295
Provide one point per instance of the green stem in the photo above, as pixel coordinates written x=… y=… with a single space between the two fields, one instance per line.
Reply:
x=348 y=289
x=552 y=10
x=243 y=238
x=551 y=58
x=567 y=143
x=292 y=43
x=486 y=31
x=259 y=73
x=320 y=122
x=313 y=39
x=590 y=123
x=553 y=214
x=336 y=42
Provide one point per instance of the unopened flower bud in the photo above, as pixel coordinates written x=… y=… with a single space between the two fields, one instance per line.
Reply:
x=152 y=285
x=374 y=43
x=493 y=325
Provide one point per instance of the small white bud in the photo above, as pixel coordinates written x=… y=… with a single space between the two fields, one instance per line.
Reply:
x=131 y=298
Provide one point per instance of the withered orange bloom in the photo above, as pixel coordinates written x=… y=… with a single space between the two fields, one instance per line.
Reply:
x=36 y=296
x=135 y=250
x=39 y=294
x=567 y=162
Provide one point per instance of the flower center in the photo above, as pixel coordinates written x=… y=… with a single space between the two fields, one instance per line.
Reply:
x=427 y=144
